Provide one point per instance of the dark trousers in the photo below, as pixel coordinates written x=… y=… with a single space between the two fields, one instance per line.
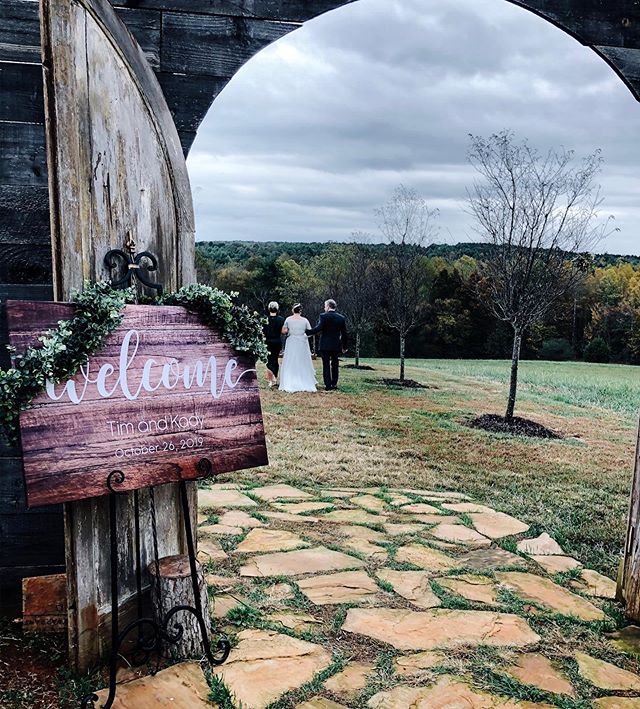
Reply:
x=330 y=369
x=272 y=360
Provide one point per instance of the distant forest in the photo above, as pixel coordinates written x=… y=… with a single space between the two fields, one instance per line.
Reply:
x=601 y=319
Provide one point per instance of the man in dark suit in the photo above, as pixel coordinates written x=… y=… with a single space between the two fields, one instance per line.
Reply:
x=333 y=342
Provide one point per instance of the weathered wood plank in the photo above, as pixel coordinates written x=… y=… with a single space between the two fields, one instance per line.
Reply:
x=25 y=263
x=145 y=26
x=19 y=31
x=21 y=96
x=44 y=603
x=154 y=432
x=30 y=540
x=23 y=155
x=190 y=97
x=11 y=585
x=615 y=23
x=287 y=10
x=24 y=215
x=217 y=46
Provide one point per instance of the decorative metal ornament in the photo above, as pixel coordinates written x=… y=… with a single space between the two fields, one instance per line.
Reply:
x=129 y=265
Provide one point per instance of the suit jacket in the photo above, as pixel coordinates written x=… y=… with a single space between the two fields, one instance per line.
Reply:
x=333 y=332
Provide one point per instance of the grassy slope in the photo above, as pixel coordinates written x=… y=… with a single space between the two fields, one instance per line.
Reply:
x=576 y=489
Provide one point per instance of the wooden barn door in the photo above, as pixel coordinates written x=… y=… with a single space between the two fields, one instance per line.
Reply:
x=116 y=167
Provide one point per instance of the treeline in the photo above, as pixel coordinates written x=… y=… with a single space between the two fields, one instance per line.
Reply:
x=599 y=322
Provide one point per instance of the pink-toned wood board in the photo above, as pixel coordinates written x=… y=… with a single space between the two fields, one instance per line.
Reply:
x=163 y=393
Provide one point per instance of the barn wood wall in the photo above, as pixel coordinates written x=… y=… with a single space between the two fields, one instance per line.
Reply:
x=195 y=47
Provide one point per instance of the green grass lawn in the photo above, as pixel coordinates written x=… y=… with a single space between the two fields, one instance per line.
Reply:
x=577 y=488
x=592 y=386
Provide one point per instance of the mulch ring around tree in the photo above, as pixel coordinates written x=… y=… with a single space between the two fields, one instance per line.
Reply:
x=516 y=426
x=405 y=383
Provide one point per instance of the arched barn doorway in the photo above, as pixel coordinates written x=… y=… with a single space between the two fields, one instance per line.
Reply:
x=194 y=47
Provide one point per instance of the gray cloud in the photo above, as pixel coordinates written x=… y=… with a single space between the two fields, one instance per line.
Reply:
x=316 y=131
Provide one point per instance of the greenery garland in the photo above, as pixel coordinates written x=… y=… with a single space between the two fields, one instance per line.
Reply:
x=98 y=312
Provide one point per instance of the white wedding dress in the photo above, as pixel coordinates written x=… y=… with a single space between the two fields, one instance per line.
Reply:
x=297 y=372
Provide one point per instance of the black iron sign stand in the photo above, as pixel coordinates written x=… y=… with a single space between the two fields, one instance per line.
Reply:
x=152 y=633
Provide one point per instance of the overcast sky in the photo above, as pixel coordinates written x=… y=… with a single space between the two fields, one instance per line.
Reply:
x=318 y=129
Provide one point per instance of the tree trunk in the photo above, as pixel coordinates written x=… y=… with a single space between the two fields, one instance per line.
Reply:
x=402 y=347
x=176 y=590
x=515 y=360
x=357 y=349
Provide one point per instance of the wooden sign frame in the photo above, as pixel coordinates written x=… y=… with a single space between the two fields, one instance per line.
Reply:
x=164 y=393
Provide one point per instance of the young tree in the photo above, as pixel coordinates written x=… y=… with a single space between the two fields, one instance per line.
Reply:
x=407 y=224
x=539 y=214
x=359 y=292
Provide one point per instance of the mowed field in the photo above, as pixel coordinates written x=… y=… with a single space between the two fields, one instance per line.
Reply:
x=576 y=489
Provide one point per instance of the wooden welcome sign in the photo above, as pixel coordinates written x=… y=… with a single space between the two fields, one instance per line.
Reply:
x=164 y=393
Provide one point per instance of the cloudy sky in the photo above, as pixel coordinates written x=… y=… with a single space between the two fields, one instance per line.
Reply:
x=318 y=129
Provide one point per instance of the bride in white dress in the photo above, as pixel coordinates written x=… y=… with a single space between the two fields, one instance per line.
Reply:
x=297 y=372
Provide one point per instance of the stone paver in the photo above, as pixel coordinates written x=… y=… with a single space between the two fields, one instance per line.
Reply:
x=420 y=508
x=544 y=545
x=395 y=529
x=210 y=550
x=264 y=665
x=594 y=584
x=369 y=502
x=412 y=585
x=345 y=587
x=416 y=664
x=367 y=549
x=320 y=703
x=297 y=563
x=439 y=628
x=279 y=592
x=447 y=693
x=436 y=493
x=604 y=675
x=435 y=519
x=425 y=557
x=537 y=670
x=356 y=516
x=478 y=589
x=219 y=530
x=459 y=534
x=340 y=494
x=239 y=518
x=617 y=703
x=182 y=685
x=548 y=594
x=556 y=564
x=352 y=680
x=224 y=602
x=297 y=508
x=468 y=507
x=280 y=491
x=290 y=517
x=488 y=559
x=212 y=499
x=627 y=639
x=264 y=540
x=398 y=499
x=497 y=524
x=294 y=620
x=220 y=582
x=354 y=531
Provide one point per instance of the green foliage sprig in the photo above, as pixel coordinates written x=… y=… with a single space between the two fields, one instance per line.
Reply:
x=98 y=312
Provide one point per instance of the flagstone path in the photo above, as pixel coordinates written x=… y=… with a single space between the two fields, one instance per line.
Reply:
x=394 y=599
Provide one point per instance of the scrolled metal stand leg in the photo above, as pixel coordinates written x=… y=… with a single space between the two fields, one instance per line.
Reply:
x=115 y=477
x=223 y=645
